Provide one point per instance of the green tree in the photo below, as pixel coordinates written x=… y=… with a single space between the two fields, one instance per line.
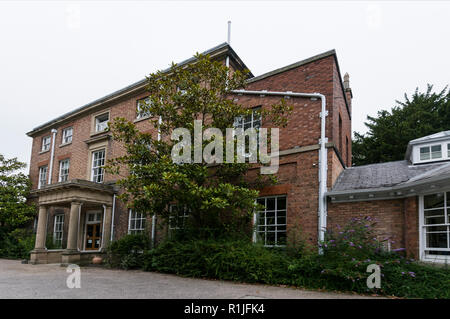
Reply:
x=388 y=134
x=217 y=197
x=14 y=189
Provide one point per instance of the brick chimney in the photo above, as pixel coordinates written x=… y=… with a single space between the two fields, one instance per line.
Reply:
x=348 y=91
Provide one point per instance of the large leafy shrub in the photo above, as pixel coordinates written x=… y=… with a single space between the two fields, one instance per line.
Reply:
x=17 y=243
x=347 y=251
x=127 y=252
x=237 y=260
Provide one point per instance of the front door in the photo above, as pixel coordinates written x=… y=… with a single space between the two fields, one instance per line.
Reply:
x=93 y=231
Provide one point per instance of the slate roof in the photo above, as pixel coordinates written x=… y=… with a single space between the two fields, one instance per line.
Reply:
x=219 y=48
x=376 y=176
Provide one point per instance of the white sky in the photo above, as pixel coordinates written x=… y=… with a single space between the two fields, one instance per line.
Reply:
x=56 y=56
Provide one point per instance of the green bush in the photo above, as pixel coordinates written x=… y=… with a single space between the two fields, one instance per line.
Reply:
x=224 y=259
x=342 y=267
x=16 y=244
x=347 y=253
x=127 y=252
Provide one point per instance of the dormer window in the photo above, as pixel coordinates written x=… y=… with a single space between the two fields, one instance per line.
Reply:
x=431 y=148
x=430 y=152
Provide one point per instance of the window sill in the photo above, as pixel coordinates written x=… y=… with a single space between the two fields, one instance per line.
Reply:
x=142 y=119
x=42 y=152
x=65 y=144
x=99 y=133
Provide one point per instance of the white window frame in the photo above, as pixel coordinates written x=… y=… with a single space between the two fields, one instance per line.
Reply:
x=139 y=113
x=444 y=152
x=240 y=122
x=276 y=225
x=101 y=126
x=66 y=137
x=94 y=167
x=46 y=142
x=135 y=218
x=179 y=217
x=58 y=229
x=64 y=167
x=424 y=249
x=43 y=172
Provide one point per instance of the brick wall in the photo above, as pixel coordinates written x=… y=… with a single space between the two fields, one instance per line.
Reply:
x=396 y=219
x=298 y=173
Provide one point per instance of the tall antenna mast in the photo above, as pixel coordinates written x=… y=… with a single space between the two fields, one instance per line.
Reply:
x=227 y=61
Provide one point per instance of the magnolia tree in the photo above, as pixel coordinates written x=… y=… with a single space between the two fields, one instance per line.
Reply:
x=14 y=188
x=214 y=194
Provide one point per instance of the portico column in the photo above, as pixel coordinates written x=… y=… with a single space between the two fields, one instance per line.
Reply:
x=73 y=226
x=107 y=230
x=41 y=232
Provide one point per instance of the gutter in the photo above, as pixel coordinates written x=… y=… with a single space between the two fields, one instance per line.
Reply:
x=323 y=165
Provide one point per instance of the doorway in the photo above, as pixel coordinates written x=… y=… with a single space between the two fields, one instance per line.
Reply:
x=93 y=236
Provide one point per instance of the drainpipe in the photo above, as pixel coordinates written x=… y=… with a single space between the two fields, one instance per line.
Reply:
x=112 y=217
x=323 y=165
x=103 y=227
x=52 y=155
x=153 y=230
x=154 y=215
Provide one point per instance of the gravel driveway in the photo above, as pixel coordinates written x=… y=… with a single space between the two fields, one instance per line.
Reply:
x=49 y=281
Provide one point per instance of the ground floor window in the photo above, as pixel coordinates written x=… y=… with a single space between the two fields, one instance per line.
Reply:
x=178 y=216
x=271 y=221
x=136 y=223
x=58 y=230
x=435 y=226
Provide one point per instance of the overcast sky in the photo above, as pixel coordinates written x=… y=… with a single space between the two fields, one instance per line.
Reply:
x=56 y=56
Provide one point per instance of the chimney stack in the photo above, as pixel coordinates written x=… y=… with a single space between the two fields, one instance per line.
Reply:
x=348 y=91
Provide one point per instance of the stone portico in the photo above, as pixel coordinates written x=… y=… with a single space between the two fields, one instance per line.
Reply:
x=90 y=207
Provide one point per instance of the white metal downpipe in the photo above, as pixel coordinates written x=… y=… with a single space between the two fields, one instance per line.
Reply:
x=112 y=217
x=52 y=155
x=153 y=230
x=323 y=165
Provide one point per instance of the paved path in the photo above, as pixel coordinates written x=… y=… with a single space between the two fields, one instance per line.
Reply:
x=49 y=281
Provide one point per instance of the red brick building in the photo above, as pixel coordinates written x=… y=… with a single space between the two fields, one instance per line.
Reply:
x=78 y=210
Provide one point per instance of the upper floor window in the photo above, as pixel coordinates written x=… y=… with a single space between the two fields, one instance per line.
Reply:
x=141 y=112
x=271 y=221
x=42 y=176
x=101 y=122
x=252 y=120
x=67 y=135
x=98 y=163
x=448 y=150
x=64 y=170
x=136 y=223
x=46 y=143
x=58 y=229
x=430 y=152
